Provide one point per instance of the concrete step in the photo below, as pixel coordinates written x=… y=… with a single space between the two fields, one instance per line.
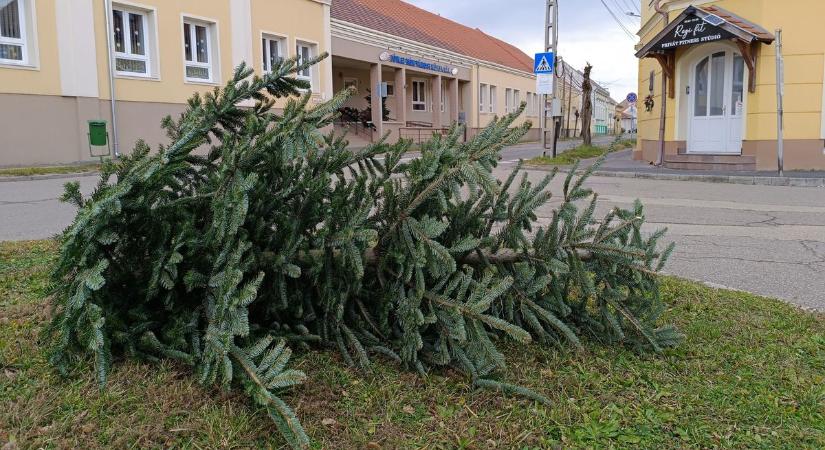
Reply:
x=711 y=162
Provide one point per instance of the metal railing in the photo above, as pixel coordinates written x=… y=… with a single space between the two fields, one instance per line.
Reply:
x=362 y=129
x=418 y=134
x=417 y=124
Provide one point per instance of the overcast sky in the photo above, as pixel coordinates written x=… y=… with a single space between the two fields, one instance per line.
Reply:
x=586 y=33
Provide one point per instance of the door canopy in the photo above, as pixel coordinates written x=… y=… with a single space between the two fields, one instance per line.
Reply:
x=702 y=25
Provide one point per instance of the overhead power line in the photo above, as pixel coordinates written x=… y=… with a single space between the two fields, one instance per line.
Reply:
x=619 y=22
x=633 y=6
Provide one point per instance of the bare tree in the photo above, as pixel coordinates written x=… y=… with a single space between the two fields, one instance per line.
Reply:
x=587 y=105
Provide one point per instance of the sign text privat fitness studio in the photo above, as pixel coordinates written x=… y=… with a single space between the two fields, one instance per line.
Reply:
x=694 y=30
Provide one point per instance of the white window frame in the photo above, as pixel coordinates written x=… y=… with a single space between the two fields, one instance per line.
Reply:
x=493 y=100
x=148 y=41
x=213 y=45
x=529 y=110
x=267 y=38
x=313 y=53
x=353 y=81
x=22 y=42
x=508 y=100
x=483 y=93
x=422 y=101
x=516 y=99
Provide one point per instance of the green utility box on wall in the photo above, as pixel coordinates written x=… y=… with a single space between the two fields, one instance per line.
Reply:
x=98 y=139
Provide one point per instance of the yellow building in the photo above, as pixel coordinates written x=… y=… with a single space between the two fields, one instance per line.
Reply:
x=715 y=63
x=55 y=64
x=62 y=62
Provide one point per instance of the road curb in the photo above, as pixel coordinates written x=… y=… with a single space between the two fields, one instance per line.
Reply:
x=54 y=176
x=729 y=179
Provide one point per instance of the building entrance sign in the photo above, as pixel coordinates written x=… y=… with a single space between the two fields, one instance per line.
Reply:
x=694 y=30
x=417 y=63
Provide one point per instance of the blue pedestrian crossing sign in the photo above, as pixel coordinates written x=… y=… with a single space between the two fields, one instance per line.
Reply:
x=544 y=63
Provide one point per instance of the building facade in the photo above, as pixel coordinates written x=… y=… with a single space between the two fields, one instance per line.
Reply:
x=604 y=111
x=64 y=63
x=56 y=77
x=713 y=65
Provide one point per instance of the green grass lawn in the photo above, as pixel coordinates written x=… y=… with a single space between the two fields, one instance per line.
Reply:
x=579 y=153
x=751 y=374
x=48 y=170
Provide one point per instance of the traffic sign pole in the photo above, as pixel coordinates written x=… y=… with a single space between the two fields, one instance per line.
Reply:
x=551 y=39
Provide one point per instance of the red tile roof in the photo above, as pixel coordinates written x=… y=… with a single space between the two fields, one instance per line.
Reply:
x=752 y=28
x=410 y=22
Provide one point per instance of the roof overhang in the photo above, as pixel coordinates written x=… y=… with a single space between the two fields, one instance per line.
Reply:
x=697 y=26
x=702 y=25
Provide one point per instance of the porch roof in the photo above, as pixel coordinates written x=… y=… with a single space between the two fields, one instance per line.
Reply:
x=731 y=25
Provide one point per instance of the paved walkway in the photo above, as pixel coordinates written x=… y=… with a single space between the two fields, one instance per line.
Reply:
x=768 y=240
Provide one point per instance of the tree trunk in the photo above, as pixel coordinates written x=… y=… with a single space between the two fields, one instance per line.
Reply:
x=587 y=105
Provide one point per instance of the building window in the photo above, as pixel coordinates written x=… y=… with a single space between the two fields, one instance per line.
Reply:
x=529 y=104
x=351 y=83
x=536 y=105
x=493 y=101
x=482 y=97
x=390 y=89
x=12 y=32
x=273 y=51
x=198 y=51
x=508 y=100
x=305 y=52
x=419 y=95
x=516 y=100
x=132 y=52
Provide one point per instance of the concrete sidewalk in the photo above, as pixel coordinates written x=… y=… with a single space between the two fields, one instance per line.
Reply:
x=621 y=164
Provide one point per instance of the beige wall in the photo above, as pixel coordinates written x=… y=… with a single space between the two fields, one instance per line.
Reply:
x=37 y=91
x=502 y=80
x=170 y=85
x=59 y=133
x=279 y=18
x=67 y=102
x=42 y=77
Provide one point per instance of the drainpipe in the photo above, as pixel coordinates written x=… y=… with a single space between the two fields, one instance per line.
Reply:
x=660 y=160
x=107 y=10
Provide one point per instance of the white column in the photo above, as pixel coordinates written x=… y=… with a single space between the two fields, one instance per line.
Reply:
x=375 y=97
x=454 y=100
x=326 y=65
x=76 y=48
x=435 y=89
x=240 y=12
x=401 y=95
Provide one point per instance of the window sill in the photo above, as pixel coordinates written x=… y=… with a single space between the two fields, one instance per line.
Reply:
x=201 y=82
x=124 y=76
x=17 y=65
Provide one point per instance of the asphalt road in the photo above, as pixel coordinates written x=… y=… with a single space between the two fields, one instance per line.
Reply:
x=768 y=240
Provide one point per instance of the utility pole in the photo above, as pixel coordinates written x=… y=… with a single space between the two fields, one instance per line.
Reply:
x=551 y=40
x=569 y=100
x=780 y=110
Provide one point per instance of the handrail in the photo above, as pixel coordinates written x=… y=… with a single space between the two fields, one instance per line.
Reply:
x=359 y=128
x=420 y=134
x=417 y=124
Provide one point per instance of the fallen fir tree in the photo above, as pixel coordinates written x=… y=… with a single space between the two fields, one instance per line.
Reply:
x=280 y=237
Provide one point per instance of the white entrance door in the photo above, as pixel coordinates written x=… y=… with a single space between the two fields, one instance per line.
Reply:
x=717 y=100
